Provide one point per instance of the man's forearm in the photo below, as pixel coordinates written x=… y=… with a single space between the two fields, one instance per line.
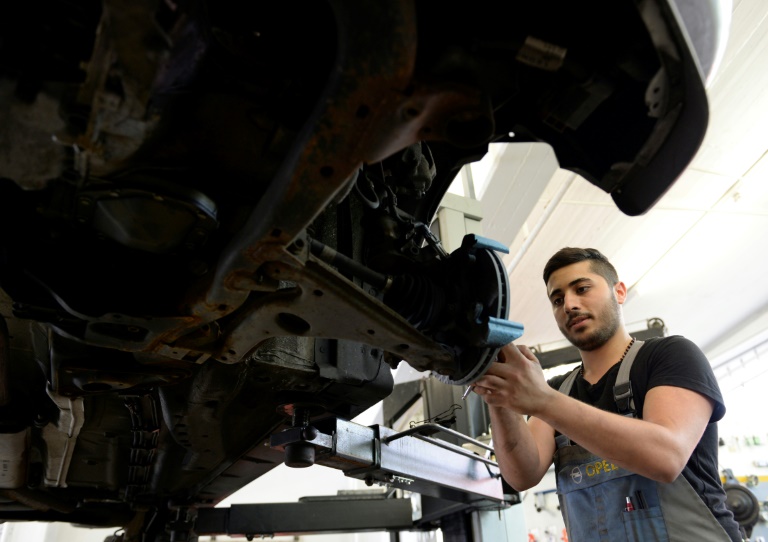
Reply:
x=644 y=447
x=658 y=446
x=516 y=452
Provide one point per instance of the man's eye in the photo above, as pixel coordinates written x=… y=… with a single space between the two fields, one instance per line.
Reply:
x=557 y=301
x=582 y=289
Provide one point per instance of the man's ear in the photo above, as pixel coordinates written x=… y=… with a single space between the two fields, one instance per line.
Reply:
x=620 y=289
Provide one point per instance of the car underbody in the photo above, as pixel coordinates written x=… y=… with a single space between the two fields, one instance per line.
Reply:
x=216 y=214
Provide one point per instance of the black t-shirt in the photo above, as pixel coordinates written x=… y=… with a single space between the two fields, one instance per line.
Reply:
x=671 y=361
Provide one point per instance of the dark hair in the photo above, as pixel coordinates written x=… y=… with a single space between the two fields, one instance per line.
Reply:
x=598 y=263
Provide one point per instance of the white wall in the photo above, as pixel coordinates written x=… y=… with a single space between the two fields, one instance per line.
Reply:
x=51 y=532
x=541 y=511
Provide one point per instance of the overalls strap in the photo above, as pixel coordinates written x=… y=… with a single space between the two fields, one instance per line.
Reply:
x=567 y=384
x=565 y=388
x=622 y=390
x=622 y=379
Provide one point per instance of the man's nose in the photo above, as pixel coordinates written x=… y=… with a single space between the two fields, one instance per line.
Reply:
x=570 y=302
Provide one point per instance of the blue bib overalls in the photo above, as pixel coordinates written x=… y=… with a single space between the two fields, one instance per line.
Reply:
x=603 y=502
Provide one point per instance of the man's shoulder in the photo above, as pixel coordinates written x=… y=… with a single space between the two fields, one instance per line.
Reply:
x=677 y=343
x=668 y=340
x=672 y=360
x=677 y=361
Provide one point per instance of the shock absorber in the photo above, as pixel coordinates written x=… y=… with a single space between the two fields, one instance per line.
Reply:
x=414 y=297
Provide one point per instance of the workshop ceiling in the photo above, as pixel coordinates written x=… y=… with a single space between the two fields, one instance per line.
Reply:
x=698 y=260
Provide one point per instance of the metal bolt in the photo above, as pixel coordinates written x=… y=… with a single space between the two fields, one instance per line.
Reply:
x=296 y=247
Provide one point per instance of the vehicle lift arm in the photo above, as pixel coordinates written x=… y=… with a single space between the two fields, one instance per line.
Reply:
x=448 y=477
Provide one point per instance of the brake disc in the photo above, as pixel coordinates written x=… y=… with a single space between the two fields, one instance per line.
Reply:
x=483 y=276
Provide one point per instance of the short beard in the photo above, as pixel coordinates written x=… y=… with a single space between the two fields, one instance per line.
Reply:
x=600 y=336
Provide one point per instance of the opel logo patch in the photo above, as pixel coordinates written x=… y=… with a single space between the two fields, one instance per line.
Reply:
x=576 y=475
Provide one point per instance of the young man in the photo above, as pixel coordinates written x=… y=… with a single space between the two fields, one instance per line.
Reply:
x=647 y=475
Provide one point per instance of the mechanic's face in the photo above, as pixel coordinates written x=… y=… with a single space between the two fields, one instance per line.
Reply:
x=586 y=307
